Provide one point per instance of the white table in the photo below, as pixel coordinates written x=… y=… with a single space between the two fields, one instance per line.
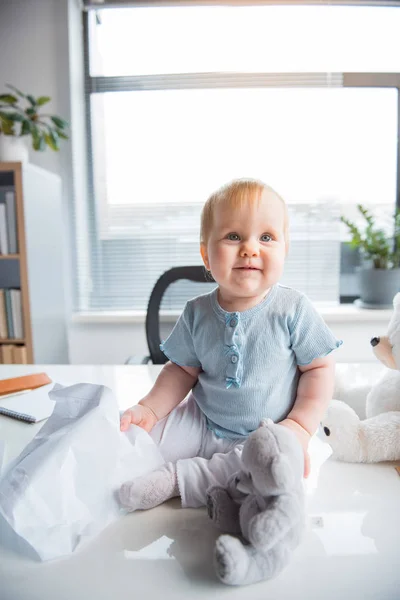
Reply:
x=351 y=550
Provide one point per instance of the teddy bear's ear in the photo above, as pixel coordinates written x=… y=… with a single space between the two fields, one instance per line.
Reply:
x=282 y=472
x=396 y=300
x=265 y=422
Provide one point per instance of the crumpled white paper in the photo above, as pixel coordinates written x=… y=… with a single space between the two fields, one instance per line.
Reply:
x=61 y=490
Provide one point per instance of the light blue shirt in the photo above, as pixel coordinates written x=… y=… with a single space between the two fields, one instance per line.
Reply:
x=248 y=359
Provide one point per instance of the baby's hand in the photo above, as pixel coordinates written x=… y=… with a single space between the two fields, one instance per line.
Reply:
x=304 y=438
x=139 y=415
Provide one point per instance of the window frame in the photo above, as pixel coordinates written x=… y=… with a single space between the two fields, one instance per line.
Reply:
x=101 y=84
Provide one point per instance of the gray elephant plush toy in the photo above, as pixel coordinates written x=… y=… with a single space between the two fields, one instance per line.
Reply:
x=263 y=505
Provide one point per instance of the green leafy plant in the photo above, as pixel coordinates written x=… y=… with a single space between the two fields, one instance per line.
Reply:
x=20 y=115
x=374 y=244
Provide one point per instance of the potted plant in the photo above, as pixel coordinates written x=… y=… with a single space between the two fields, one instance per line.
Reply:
x=21 y=116
x=379 y=273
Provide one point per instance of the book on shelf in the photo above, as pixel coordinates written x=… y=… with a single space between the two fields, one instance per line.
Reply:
x=3 y=316
x=7 y=354
x=11 y=222
x=10 y=325
x=11 y=321
x=16 y=313
x=19 y=355
x=3 y=230
x=8 y=222
x=13 y=354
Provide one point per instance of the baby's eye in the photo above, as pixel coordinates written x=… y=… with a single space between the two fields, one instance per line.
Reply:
x=234 y=237
x=266 y=237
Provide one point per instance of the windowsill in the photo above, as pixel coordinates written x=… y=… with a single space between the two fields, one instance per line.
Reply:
x=332 y=314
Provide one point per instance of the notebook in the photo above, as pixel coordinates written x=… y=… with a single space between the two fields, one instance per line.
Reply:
x=31 y=406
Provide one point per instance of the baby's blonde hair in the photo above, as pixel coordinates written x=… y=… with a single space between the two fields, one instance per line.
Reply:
x=236 y=194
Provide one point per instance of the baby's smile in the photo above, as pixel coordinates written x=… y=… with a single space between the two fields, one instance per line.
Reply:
x=247 y=268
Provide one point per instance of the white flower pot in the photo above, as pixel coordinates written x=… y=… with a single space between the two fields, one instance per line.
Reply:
x=13 y=149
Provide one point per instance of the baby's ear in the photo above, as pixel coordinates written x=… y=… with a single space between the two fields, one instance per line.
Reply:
x=204 y=256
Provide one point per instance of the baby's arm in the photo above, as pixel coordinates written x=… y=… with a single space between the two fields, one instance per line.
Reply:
x=171 y=387
x=314 y=392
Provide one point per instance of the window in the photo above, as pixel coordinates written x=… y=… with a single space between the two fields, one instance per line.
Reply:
x=182 y=99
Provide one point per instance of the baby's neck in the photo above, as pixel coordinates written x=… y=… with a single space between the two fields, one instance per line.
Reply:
x=236 y=304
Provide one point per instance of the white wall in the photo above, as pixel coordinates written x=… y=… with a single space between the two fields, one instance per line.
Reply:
x=109 y=343
x=35 y=40
x=33 y=50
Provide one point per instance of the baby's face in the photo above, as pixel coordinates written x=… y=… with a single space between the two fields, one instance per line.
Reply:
x=246 y=249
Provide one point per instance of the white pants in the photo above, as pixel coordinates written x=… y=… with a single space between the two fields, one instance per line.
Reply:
x=202 y=459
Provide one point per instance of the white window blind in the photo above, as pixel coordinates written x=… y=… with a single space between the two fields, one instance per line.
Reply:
x=173 y=117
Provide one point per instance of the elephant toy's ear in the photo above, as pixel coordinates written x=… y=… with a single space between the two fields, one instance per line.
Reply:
x=265 y=422
x=282 y=472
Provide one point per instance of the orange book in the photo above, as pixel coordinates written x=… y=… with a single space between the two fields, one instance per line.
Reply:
x=25 y=382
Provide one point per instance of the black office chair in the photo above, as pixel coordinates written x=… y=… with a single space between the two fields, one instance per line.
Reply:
x=193 y=273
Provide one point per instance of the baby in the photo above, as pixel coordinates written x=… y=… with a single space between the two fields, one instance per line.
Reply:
x=250 y=349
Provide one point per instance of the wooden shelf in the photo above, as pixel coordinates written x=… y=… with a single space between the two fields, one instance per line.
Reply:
x=11 y=177
x=40 y=231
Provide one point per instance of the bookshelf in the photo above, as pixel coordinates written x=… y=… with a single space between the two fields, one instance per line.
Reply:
x=13 y=266
x=31 y=266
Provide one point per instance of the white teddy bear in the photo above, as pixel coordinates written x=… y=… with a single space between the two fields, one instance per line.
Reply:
x=377 y=438
x=352 y=440
x=385 y=394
